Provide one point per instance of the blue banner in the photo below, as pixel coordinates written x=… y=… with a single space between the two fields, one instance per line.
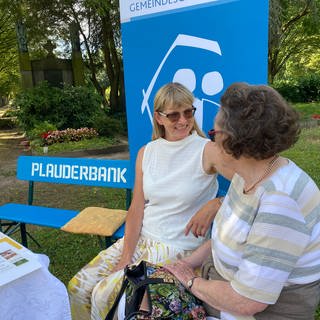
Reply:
x=204 y=44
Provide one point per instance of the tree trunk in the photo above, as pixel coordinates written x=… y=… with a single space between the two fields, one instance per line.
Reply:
x=112 y=61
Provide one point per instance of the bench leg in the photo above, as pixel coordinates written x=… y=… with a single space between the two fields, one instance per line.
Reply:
x=23 y=232
x=108 y=241
x=8 y=227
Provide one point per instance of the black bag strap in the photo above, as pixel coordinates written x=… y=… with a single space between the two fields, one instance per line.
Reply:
x=112 y=311
x=138 y=277
x=145 y=282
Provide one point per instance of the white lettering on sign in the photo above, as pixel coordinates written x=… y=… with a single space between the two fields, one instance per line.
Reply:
x=150 y=4
x=136 y=8
x=78 y=172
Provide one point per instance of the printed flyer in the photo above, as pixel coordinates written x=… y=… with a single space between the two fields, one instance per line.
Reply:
x=15 y=260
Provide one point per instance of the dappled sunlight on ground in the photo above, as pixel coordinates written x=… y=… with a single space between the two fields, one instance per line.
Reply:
x=11 y=134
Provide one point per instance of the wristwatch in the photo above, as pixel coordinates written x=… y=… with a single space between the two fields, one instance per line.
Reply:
x=190 y=282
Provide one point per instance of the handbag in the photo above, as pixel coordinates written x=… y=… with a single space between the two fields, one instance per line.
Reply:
x=152 y=292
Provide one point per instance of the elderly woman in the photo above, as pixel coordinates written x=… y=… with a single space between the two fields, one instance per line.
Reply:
x=265 y=247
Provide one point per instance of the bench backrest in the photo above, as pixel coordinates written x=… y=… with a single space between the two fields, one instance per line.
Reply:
x=83 y=171
x=80 y=171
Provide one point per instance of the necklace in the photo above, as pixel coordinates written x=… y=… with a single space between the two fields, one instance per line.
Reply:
x=271 y=164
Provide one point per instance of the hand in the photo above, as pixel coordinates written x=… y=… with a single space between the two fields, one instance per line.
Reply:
x=200 y=223
x=123 y=262
x=181 y=270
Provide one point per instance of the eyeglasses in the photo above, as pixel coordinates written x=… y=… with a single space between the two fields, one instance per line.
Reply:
x=175 y=116
x=212 y=134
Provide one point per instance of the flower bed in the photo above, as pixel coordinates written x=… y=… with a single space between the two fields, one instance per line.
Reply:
x=57 y=136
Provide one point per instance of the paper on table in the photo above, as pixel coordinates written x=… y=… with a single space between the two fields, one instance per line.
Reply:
x=15 y=260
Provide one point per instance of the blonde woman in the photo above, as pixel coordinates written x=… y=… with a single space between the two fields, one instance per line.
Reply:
x=174 y=179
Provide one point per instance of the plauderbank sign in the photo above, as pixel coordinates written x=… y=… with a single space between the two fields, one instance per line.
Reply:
x=78 y=172
x=97 y=172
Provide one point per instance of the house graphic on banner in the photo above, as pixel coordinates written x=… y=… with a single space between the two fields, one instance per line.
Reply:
x=212 y=82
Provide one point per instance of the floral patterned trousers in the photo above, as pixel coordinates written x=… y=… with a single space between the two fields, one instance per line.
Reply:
x=94 y=288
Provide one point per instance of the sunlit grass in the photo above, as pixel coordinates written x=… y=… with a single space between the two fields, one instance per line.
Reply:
x=306 y=110
x=306 y=152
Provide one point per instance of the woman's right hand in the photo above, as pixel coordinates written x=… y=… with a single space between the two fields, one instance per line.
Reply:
x=123 y=262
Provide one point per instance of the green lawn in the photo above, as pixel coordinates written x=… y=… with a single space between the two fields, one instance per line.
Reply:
x=307 y=109
x=306 y=152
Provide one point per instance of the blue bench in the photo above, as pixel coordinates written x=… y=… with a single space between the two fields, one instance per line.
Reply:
x=77 y=171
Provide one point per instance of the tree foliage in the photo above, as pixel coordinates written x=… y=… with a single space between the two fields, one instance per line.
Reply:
x=9 y=66
x=294 y=36
x=99 y=27
x=97 y=22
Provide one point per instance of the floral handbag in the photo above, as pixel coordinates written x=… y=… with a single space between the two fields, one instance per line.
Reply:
x=152 y=292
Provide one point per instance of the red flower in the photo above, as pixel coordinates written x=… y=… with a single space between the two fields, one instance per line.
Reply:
x=44 y=135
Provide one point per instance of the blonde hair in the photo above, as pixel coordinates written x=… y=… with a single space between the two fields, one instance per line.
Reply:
x=176 y=95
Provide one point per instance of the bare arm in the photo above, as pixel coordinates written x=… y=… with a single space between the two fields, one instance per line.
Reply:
x=212 y=161
x=218 y=294
x=134 y=217
x=198 y=256
x=222 y=296
x=202 y=219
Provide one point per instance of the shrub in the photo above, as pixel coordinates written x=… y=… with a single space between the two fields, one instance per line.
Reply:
x=108 y=126
x=39 y=128
x=70 y=107
x=310 y=87
x=302 y=89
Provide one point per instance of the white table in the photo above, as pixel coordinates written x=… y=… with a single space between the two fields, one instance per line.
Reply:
x=36 y=296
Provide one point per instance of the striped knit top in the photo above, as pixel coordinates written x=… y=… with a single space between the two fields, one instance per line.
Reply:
x=264 y=241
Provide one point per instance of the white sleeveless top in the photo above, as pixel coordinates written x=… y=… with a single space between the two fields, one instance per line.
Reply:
x=175 y=187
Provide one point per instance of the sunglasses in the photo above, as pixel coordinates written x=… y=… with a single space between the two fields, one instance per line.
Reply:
x=212 y=134
x=175 y=116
